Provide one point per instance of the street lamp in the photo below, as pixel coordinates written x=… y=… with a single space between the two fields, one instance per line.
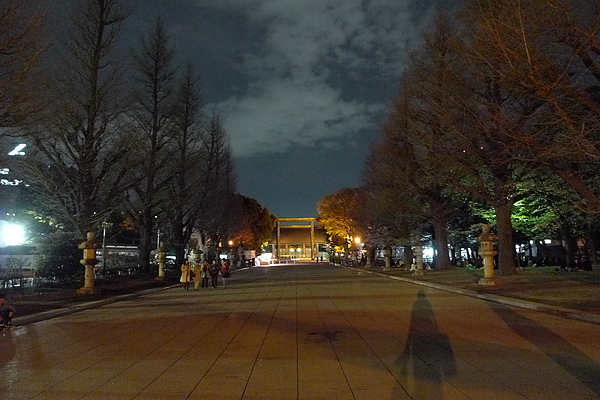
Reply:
x=104 y=226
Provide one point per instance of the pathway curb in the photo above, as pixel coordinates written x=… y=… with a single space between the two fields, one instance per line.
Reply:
x=45 y=315
x=530 y=305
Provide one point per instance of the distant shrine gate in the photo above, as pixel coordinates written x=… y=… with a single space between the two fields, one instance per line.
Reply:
x=299 y=238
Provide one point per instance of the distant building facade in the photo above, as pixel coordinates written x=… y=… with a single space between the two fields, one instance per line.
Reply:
x=298 y=238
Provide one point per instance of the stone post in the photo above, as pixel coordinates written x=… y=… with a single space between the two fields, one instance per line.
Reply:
x=161 y=260
x=387 y=255
x=89 y=261
x=196 y=254
x=369 y=263
x=418 y=253
x=486 y=250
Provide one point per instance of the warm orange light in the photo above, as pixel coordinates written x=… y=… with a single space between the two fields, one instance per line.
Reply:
x=231 y=242
x=357 y=240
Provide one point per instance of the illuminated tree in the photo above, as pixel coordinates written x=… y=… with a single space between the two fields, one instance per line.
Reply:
x=547 y=52
x=462 y=117
x=339 y=214
x=253 y=224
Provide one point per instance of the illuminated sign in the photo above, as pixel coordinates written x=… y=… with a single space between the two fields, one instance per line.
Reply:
x=17 y=151
x=6 y=182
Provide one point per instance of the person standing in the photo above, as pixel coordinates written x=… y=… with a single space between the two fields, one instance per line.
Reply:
x=214 y=273
x=204 y=274
x=197 y=274
x=225 y=273
x=6 y=314
x=185 y=274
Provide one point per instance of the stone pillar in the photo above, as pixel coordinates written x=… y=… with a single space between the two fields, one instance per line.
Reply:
x=486 y=250
x=369 y=263
x=278 y=241
x=161 y=260
x=89 y=261
x=387 y=255
x=418 y=253
x=312 y=240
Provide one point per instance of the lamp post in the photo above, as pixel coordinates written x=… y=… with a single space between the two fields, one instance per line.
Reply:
x=104 y=226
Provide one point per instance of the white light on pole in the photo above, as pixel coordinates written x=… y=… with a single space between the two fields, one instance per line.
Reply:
x=12 y=234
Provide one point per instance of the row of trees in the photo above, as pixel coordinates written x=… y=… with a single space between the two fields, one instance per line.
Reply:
x=119 y=136
x=498 y=111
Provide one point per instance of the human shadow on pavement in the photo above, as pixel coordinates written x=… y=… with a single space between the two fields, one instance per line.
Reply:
x=428 y=355
x=571 y=359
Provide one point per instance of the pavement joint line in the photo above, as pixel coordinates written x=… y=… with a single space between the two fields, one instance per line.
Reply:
x=554 y=310
x=530 y=305
x=46 y=315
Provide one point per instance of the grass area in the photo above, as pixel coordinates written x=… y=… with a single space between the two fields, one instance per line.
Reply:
x=37 y=299
x=579 y=290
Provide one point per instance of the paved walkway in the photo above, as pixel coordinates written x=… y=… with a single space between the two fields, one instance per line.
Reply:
x=303 y=332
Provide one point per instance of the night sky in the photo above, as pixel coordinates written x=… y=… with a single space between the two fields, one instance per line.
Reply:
x=302 y=86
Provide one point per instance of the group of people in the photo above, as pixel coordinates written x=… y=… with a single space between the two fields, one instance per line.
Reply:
x=202 y=271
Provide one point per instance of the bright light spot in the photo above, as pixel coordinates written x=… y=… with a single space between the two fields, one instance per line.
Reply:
x=17 y=150
x=357 y=240
x=231 y=242
x=547 y=241
x=428 y=253
x=12 y=234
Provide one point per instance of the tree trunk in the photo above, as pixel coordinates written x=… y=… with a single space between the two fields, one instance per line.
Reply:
x=592 y=241
x=145 y=247
x=407 y=257
x=571 y=247
x=506 y=249
x=440 y=228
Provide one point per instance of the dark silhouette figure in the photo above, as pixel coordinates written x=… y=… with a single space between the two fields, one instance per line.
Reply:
x=563 y=353
x=428 y=355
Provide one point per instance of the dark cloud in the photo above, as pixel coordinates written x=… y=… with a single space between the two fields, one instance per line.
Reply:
x=301 y=85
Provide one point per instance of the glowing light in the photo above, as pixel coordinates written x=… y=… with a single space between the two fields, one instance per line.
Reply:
x=357 y=240
x=428 y=252
x=17 y=150
x=231 y=242
x=12 y=234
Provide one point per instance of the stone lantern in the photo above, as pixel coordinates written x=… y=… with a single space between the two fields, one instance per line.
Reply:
x=89 y=261
x=161 y=260
x=418 y=253
x=387 y=255
x=196 y=254
x=487 y=252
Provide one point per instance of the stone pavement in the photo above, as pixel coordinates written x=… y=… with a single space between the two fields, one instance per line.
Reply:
x=303 y=332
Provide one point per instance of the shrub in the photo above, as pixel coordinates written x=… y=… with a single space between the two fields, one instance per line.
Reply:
x=58 y=257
